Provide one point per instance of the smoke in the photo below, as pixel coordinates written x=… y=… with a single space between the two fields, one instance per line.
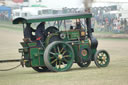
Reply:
x=88 y=4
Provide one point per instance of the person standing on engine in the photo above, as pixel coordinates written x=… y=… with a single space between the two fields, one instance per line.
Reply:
x=40 y=33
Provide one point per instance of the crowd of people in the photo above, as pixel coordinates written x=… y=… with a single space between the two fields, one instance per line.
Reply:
x=110 y=23
x=4 y=17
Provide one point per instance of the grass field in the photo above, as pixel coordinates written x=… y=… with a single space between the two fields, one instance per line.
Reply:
x=115 y=74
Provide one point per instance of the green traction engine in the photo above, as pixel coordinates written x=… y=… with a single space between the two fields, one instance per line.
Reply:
x=64 y=44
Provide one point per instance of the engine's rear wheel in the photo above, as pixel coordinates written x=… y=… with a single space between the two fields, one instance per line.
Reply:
x=41 y=69
x=101 y=58
x=58 y=56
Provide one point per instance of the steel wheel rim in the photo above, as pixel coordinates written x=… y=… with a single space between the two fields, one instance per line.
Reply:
x=59 y=56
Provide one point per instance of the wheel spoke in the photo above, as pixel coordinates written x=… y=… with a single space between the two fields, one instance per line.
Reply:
x=53 y=53
x=58 y=49
x=53 y=61
x=64 y=52
x=61 y=50
x=52 y=57
x=56 y=63
x=63 y=47
x=59 y=64
x=66 y=56
x=66 y=60
x=63 y=64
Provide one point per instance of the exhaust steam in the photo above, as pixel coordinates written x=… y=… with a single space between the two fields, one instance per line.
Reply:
x=88 y=5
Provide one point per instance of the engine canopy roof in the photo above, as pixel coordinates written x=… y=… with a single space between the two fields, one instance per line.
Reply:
x=55 y=17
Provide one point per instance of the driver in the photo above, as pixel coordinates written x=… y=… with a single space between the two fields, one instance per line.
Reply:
x=78 y=25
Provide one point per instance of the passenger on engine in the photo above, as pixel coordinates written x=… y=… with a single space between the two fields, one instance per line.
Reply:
x=71 y=27
x=28 y=36
x=40 y=33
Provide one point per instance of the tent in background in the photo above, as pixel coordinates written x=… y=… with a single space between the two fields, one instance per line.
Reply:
x=6 y=11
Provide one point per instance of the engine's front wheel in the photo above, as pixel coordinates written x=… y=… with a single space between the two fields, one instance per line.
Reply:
x=101 y=58
x=84 y=64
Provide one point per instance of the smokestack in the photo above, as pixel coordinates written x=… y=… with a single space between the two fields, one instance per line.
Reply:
x=88 y=5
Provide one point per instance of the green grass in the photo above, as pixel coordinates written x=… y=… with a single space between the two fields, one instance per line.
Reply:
x=9 y=25
x=115 y=39
x=115 y=74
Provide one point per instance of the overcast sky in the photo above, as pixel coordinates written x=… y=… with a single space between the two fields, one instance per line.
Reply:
x=62 y=3
x=72 y=3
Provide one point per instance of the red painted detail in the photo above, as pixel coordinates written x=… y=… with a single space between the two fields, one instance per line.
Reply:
x=84 y=52
x=38 y=38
